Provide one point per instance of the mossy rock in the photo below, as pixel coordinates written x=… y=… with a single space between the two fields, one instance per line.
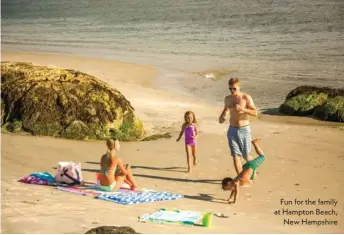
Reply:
x=77 y=130
x=3 y=111
x=60 y=102
x=303 y=104
x=112 y=230
x=14 y=126
x=331 y=92
x=332 y=110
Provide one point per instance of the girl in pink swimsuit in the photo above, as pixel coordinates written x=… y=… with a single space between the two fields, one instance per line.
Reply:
x=190 y=131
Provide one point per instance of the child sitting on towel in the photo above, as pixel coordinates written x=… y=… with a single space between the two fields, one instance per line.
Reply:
x=244 y=176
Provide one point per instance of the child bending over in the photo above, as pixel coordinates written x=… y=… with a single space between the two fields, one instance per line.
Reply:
x=243 y=177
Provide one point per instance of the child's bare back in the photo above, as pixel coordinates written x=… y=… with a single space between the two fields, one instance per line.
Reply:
x=244 y=176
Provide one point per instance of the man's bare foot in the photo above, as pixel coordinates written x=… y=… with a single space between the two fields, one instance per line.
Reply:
x=256 y=140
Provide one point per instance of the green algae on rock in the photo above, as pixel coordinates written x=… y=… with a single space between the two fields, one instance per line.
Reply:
x=61 y=102
x=324 y=103
x=332 y=110
x=303 y=104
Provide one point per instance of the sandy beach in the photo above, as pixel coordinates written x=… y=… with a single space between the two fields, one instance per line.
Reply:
x=305 y=160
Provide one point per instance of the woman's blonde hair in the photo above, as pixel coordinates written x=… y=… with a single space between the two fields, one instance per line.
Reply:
x=193 y=115
x=111 y=144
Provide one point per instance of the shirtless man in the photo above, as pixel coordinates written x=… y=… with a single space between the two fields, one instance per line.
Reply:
x=240 y=106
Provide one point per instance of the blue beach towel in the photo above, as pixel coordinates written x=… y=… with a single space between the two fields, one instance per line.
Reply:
x=127 y=198
x=44 y=176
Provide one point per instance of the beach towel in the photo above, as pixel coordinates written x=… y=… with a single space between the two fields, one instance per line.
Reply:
x=33 y=180
x=88 y=190
x=127 y=198
x=79 y=191
x=42 y=178
x=174 y=216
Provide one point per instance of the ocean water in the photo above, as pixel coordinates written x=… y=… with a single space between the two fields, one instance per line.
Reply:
x=273 y=45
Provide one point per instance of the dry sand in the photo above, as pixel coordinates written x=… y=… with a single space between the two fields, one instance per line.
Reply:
x=303 y=161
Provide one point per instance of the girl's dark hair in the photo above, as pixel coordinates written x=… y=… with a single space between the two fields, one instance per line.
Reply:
x=193 y=114
x=226 y=181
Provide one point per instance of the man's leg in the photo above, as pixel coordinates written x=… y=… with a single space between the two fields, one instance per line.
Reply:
x=234 y=147
x=246 y=138
x=245 y=142
x=237 y=164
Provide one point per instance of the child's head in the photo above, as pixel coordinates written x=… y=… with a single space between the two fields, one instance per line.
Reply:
x=190 y=117
x=227 y=184
x=113 y=144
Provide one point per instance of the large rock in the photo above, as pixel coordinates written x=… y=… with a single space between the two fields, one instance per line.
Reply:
x=61 y=102
x=312 y=89
x=332 y=110
x=2 y=111
x=324 y=103
x=112 y=230
x=303 y=104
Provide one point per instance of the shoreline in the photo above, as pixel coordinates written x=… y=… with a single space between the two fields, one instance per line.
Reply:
x=158 y=108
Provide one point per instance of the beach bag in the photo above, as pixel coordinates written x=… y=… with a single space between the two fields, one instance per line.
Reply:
x=69 y=173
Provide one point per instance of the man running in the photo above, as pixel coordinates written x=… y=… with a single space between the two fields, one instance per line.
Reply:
x=240 y=106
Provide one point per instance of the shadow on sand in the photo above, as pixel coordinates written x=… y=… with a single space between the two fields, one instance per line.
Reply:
x=176 y=169
x=179 y=179
x=206 y=197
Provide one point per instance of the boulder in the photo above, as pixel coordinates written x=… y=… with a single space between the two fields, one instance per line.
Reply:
x=14 y=126
x=331 y=92
x=332 y=110
x=3 y=106
x=303 y=104
x=323 y=103
x=62 y=102
x=112 y=230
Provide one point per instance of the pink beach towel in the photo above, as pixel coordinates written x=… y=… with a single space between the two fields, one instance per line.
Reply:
x=34 y=180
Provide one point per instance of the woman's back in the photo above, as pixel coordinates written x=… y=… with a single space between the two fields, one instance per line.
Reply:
x=108 y=167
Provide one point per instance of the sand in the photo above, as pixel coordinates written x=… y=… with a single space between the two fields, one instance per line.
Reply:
x=304 y=160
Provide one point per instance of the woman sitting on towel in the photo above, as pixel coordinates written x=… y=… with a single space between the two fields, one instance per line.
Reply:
x=112 y=170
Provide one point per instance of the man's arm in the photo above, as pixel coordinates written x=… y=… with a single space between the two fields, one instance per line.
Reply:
x=224 y=112
x=250 y=108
